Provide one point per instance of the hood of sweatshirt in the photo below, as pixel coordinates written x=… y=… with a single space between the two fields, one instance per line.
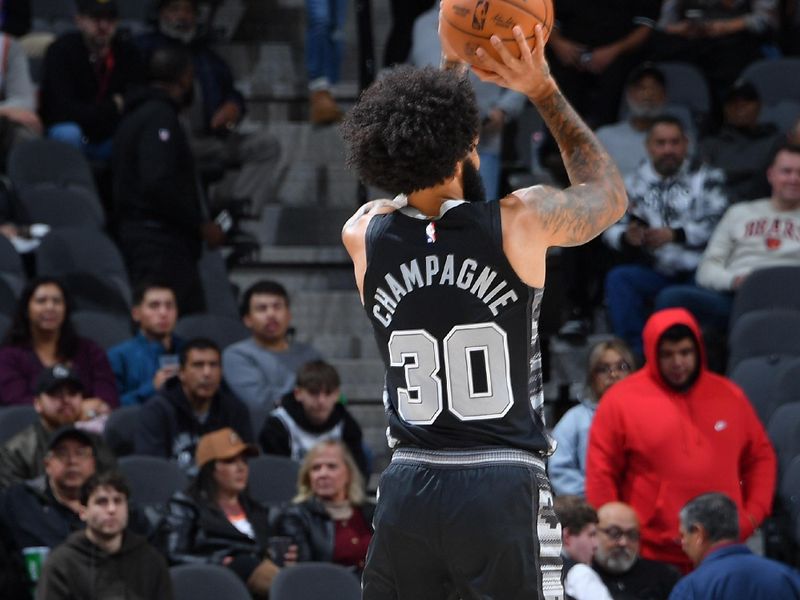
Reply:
x=655 y=327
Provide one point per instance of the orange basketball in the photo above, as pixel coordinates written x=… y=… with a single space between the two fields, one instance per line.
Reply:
x=467 y=25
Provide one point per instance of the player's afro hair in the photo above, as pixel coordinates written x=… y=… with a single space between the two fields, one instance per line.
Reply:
x=409 y=130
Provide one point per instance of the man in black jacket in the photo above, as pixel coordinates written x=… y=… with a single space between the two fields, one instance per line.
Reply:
x=311 y=414
x=85 y=77
x=104 y=560
x=189 y=406
x=162 y=217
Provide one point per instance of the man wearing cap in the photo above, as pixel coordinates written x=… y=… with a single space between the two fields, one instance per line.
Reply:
x=40 y=513
x=189 y=406
x=85 y=77
x=58 y=403
x=743 y=146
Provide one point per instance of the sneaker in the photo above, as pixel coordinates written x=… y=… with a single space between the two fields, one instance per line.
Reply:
x=574 y=331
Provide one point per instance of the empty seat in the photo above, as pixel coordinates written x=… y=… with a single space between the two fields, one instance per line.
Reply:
x=62 y=207
x=758 y=376
x=784 y=433
x=220 y=298
x=789 y=493
x=120 y=430
x=90 y=258
x=765 y=333
x=8 y=299
x=11 y=269
x=208 y=582
x=222 y=330
x=774 y=287
x=687 y=86
x=315 y=581
x=105 y=328
x=273 y=479
x=14 y=419
x=44 y=162
x=152 y=480
x=775 y=79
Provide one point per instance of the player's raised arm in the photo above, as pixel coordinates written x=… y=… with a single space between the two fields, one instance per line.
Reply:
x=596 y=199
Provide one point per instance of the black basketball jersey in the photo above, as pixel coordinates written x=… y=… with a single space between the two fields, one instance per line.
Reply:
x=457 y=330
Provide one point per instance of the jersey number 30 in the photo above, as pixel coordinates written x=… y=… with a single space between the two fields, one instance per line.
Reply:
x=476 y=367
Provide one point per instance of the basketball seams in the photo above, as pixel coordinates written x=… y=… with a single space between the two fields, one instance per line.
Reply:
x=480 y=37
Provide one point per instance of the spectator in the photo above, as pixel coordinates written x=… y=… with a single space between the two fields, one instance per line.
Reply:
x=41 y=513
x=579 y=543
x=104 y=560
x=310 y=414
x=725 y=569
x=609 y=361
x=743 y=147
x=398 y=42
x=329 y=519
x=673 y=430
x=627 y=575
x=721 y=37
x=162 y=215
x=751 y=236
x=497 y=106
x=18 y=118
x=215 y=113
x=187 y=407
x=216 y=522
x=672 y=211
x=592 y=49
x=144 y=363
x=262 y=369
x=645 y=99
x=85 y=77
x=324 y=48
x=41 y=336
x=58 y=403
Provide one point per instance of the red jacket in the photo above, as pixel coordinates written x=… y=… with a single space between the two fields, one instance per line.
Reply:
x=656 y=448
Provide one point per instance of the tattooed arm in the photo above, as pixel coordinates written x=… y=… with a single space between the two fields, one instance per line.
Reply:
x=539 y=217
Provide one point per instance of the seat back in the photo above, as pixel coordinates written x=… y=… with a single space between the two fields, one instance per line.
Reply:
x=153 y=480
x=62 y=207
x=315 y=581
x=784 y=433
x=775 y=79
x=14 y=419
x=758 y=376
x=774 y=287
x=105 y=328
x=273 y=479
x=207 y=582
x=120 y=430
x=220 y=299
x=222 y=330
x=764 y=333
x=11 y=269
x=41 y=162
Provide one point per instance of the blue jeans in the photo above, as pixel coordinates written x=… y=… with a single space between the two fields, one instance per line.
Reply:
x=72 y=134
x=629 y=291
x=324 y=41
x=711 y=309
x=490 y=173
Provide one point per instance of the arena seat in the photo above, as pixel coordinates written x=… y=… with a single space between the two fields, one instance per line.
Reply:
x=784 y=433
x=14 y=419
x=759 y=377
x=764 y=333
x=107 y=329
x=775 y=79
x=11 y=270
x=315 y=581
x=152 y=480
x=774 y=287
x=8 y=299
x=38 y=163
x=62 y=207
x=273 y=479
x=220 y=299
x=120 y=429
x=222 y=330
x=208 y=582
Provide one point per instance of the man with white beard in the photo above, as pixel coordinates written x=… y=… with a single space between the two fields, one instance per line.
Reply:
x=627 y=575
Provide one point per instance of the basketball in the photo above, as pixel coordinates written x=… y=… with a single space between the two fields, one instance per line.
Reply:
x=466 y=25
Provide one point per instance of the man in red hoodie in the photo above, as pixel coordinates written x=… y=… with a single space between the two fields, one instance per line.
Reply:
x=672 y=431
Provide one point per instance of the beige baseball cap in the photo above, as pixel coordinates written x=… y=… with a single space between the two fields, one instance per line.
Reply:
x=221 y=444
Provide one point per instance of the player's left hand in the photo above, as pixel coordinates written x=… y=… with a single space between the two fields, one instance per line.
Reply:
x=529 y=74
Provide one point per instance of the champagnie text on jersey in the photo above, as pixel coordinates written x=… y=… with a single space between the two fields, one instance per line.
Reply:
x=418 y=273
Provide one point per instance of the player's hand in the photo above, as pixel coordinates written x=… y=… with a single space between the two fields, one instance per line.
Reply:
x=529 y=74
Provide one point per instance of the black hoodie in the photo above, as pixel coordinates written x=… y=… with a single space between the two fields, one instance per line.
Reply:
x=80 y=570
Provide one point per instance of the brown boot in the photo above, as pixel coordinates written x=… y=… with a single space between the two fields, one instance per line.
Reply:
x=324 y=110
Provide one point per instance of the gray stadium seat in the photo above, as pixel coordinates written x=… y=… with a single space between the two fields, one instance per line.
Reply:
x=5 y=323
x=11 y=270
x=775 y=79
x=107 y=329
x=14 y=419
x=208 y=582
x=220 y=299
x=758 y=376
x=686 y=86
x=44 y=162
x=775 y=287
x=273 y=479
x=222 y=330
x=8 y=299
x=62 y=207
x=764 y=333
x=120 y=430
x=315 y=581
x=152 y=480
x=784 y=433
x=85 y=254
x=789 y=493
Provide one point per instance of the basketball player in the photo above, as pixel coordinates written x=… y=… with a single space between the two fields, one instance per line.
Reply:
x=452 y=286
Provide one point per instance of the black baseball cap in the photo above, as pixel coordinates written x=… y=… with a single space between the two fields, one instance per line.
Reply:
x=98 y=8
x=742 y=90
x=72 y=433
x=56 y=376
x=646 y=69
